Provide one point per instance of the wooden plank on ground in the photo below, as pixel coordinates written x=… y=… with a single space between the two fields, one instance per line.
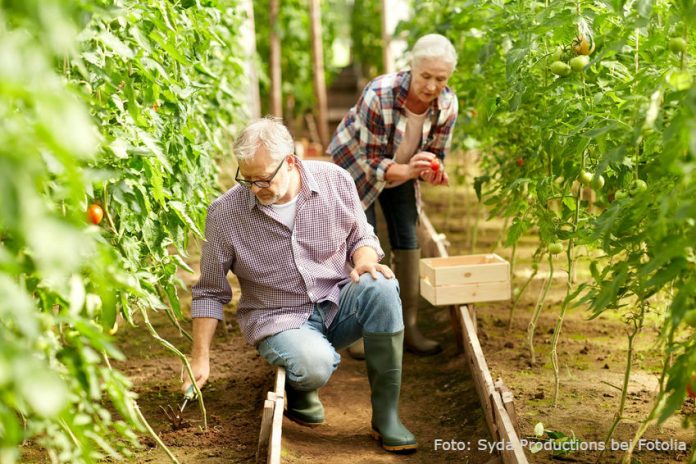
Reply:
x=497 y=418
x=508 y=403
x=479 y=369
x=274 y=445
x=265 y=433
x=280 y=382
x=512 y=451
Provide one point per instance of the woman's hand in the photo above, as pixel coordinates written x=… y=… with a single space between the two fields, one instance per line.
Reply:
x=435 y=174
x=420 y=163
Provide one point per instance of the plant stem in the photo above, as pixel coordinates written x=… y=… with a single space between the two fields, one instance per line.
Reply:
x=181 y=356
x=153 y=434
x=537 y=311
x=519 y=297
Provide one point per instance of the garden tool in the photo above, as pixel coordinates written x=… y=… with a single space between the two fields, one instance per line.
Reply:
x=175 y=417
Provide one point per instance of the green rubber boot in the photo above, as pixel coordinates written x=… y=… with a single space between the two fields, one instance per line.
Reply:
x=383 y=354
x=304 y=407
x=406 y=268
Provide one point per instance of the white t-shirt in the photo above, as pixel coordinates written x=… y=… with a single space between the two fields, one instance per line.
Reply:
x=410 y=140
x=287 y=212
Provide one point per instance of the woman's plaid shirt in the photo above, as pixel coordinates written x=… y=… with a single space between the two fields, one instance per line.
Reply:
x=282 y=273
x=368 y=136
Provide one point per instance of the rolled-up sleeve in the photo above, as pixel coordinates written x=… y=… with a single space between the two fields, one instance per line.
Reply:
x=212 y=291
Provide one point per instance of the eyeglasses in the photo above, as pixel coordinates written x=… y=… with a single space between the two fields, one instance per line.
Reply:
x=263 y=183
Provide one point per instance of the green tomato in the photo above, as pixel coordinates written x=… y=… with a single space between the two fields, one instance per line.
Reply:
x=690 y=318
x=620 y=194
x=638 y=186
x=677 y=45
x=555 y=55
x=598 y=182
x=559 y=68
x=579 y=63
x=586 y=177
x=555 y=248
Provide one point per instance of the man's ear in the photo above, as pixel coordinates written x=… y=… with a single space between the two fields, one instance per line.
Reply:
x=292 y=161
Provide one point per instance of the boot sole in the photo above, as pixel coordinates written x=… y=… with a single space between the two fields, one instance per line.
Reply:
x=405 y=448
x=301 y=422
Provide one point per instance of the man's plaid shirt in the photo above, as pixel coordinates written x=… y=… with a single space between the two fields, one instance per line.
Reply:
x=368 y=136
x=282 y=272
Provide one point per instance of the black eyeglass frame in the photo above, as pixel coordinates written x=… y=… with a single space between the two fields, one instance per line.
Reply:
x=262 y=183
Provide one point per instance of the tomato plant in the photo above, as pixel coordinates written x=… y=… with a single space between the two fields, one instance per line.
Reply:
x=128 y=108
x=628 y=118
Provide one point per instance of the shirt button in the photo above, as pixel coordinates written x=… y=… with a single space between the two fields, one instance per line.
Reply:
x=310 y=295
x=300 y=268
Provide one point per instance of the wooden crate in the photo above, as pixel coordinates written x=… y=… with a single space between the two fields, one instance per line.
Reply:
x=465 y=279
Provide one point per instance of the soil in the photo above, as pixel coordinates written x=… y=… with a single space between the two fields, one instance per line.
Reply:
x=439 y=400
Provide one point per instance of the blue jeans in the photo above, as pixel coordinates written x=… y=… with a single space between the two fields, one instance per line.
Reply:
x=400 y=213
x=309 y=352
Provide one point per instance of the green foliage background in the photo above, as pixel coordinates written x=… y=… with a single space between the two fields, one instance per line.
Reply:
x=119 y=103
x=631 y=115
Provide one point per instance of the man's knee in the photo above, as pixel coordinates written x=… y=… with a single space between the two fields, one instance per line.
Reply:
x=310 y=369
x=383 y=305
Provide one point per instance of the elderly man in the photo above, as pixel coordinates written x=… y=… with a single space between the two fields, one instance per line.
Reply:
x=295 y=235
x=398 y=133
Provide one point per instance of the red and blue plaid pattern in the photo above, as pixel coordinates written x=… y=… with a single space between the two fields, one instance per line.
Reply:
x=282 y=272
x=369 y=134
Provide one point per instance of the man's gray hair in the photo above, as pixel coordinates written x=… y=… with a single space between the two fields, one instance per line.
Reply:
x=434 y=46
x=269 y=132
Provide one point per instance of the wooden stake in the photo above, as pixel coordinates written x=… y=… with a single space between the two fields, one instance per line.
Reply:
x=276 y=95
x=318 y=70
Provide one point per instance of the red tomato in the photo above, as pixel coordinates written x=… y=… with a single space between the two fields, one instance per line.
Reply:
x=95 y=213
x=520 y=162
x=435 y=165
x=689 y=390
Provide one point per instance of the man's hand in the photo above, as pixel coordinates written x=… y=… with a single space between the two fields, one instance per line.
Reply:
x=203 y=331
x=373 y=269
x=365 y=260
x=201 y=370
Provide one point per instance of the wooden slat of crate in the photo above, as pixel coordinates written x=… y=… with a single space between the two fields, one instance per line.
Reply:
x=458 y=270
x=462 y=294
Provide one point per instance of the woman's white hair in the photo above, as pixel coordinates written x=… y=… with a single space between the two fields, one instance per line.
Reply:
x=434 y=46
x=269 y=132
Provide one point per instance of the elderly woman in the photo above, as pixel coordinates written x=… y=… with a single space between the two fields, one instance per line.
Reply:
x=395 y=136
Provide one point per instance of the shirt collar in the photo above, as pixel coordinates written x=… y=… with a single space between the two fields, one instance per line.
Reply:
x=309 y=184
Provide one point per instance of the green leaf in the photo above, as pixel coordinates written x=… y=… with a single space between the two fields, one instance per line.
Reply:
x=180 y=210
